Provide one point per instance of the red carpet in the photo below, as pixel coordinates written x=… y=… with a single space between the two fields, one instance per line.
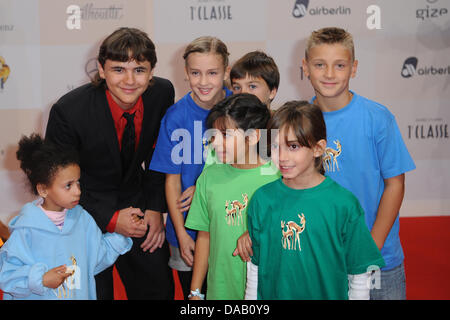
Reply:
x=426 y=243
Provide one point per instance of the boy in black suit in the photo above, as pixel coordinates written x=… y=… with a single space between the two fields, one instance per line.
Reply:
x=113 y=122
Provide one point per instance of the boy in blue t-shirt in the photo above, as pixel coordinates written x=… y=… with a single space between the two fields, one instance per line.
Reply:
x=366 y=153
x=180 y=146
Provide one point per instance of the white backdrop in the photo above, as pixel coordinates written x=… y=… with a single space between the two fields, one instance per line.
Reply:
x=48 y=47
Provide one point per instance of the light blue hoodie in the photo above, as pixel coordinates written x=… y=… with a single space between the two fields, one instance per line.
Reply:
x=37 y=245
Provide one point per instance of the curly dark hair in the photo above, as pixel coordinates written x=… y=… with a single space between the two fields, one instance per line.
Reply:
x=40 y=159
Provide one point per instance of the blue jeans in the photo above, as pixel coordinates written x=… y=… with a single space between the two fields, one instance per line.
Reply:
x=392 y=285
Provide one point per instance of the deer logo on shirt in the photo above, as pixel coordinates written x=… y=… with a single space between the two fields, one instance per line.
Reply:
x=234 y=214
x=65 y=290
x=290 y=237
x=330 y=156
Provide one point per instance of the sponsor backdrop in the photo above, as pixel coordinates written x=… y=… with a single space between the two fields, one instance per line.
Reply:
x=48 y=47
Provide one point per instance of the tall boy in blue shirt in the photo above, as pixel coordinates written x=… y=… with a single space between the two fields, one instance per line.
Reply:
x=366 y=153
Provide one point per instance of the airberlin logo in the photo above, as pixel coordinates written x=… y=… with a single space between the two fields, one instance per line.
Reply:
x=301 y=9
x=410 y=68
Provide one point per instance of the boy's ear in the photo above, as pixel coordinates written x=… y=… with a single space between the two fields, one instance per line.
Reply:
x=101 y=71
x=186 y=74
x=319 y=148
x=42 y=190
x=273 y=93
x=305 y=67
x=354 y=68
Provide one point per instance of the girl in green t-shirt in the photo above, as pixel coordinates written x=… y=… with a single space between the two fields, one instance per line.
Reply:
x=308 y=233
x=223 y=190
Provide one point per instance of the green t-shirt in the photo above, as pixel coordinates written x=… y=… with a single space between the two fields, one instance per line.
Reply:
x=306 y=242
x=219 y=207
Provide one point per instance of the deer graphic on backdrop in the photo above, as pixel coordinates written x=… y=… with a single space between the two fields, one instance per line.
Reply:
x=330 y=157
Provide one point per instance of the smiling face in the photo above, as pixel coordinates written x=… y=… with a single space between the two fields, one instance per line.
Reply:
x=126 y=81
x=330 y=67
x=296 y=162
x=256 y=86
x=64 y=191
x=206 y=73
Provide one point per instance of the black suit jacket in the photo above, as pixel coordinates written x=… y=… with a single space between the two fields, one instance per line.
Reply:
x=82 y=119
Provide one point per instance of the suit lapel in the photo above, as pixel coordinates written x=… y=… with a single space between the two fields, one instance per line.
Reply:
x=145 y=125
x=106 y=127
x=147 y=121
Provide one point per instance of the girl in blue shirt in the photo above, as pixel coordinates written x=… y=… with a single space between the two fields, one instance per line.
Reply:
x=55 y=248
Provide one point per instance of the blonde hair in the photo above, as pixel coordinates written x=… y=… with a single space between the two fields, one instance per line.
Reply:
x=207 y=44
x=331 y=35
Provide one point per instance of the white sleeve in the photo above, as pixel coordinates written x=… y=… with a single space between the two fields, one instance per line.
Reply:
x=251 y=290
x=358 y=286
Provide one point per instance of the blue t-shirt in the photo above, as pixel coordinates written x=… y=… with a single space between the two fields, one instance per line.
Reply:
x=180 y=147
x=364 y=147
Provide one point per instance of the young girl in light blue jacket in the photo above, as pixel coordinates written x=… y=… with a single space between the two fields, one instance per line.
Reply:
x=55 y=248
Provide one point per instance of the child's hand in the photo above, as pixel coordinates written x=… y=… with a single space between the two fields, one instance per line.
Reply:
x=185 y=200
x=157 y=232
x=128 y=225
x=244 y=247
x=187 y=246
x=53 y=278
